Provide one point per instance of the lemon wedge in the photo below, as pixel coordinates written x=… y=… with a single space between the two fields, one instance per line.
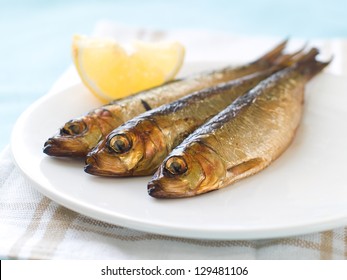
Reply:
x=110 y=71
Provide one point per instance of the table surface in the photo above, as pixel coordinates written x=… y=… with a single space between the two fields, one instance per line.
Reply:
x=36 y=34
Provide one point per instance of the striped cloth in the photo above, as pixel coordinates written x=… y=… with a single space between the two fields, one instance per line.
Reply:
x=34 y=227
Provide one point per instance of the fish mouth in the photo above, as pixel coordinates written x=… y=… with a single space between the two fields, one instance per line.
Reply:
x=155 y=189
x=94 y=170
x=92 y=167
x=61 y=147
x=159 y=189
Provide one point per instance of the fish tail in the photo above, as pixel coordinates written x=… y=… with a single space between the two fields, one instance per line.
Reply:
x=286 y=60
x=315 y=68
x=279 y=61
x=309 y=66
x=272 y=55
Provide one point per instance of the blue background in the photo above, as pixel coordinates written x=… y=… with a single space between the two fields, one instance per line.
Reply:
x=36 y=34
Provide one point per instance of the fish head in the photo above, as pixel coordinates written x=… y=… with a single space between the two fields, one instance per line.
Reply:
x=188 y=171
x=74 y=139
x=78 y=136
x=115 y=155
x=132 y=149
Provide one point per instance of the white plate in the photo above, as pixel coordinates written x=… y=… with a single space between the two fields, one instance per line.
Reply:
x=303 y=191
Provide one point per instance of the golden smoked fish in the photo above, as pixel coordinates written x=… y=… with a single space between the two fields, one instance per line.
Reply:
x=78 y=136
x=242 y=139
x=138 y=147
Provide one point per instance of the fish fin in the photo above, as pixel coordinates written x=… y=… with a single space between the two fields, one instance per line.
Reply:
x=274 y=54
x=287 y=60
x=317 y=67
x=146 y=105
x=309 y=66
x=245 y=166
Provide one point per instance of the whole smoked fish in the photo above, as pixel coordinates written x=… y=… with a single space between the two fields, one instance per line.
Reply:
x=241 y=140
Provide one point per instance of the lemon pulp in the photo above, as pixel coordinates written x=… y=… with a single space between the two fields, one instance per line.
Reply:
x=111 y=72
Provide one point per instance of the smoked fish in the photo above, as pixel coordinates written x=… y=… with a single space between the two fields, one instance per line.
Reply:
x=241 y=140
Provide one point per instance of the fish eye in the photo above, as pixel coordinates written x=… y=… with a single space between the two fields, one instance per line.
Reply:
x=74 y=128
x=120 y=143
x=176 y=165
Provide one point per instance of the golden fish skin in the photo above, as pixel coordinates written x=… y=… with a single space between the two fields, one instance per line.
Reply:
x=241 y=140
x=78 y=136
x=138 y=147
